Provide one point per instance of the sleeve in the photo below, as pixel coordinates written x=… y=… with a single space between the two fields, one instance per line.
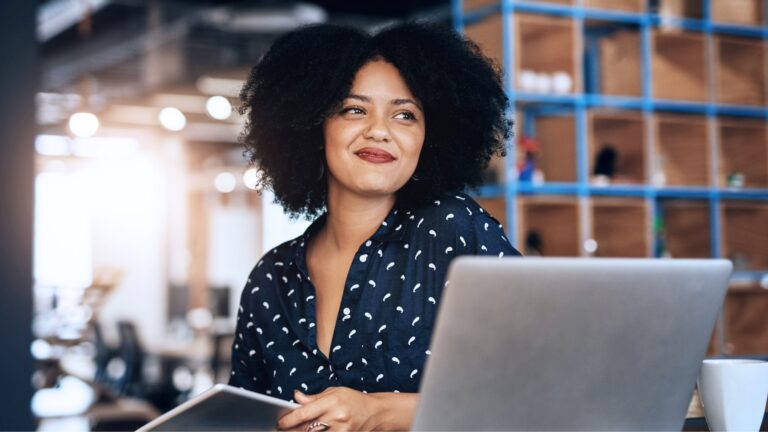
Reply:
x=489 y=237
x=248 y=369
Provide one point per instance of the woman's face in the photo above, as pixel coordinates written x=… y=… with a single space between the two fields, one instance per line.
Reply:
x=372 y=143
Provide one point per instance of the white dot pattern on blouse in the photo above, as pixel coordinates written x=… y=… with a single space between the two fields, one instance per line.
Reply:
x=387 y=312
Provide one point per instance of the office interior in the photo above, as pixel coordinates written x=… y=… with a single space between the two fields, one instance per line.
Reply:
x=133 y=218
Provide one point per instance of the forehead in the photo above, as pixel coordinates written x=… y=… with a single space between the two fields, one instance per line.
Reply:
x=380 y=77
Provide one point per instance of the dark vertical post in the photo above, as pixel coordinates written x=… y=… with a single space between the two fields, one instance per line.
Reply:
x=18 y=86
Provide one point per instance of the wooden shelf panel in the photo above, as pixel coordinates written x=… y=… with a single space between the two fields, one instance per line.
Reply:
x=560 y=2
x=555 y=220
x=744 y=232
x=547 y=45
x=679 y=66
x=740 y=70
x=682 y=8
x=743 y=149
x=625 y=132
x=744 y=12
x=746 y=329
x=686 y=228
x=620 y=227
x=556 y=136
x=469 y=5
x=635 y=6
x=621 y=64
x=487 y=34
x=682 y=152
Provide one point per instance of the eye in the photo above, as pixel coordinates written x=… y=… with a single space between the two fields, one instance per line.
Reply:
x=352 y=110
x=408 y=115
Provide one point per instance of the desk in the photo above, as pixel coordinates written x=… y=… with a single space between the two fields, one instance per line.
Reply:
x=700 y=424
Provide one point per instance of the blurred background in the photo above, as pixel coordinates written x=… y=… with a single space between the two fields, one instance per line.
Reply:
x=132 y=220
x=146 y=221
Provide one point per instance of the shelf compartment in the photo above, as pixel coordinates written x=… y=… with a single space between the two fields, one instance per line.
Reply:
x=686 y=232
x=546 y=45
x=681 y=8
x=620 y=64
x=620 y=227
x=635 y=6
x=746 y=329
x=682 y=150
x=625 y=132
x=560 y=2
x=740 y=70
x=744 y=231
x=487 y=34
x=679 y=66
x=470 y=5
x=744 y=12
x=555 y=219
x=556 y=138
x=743 y=149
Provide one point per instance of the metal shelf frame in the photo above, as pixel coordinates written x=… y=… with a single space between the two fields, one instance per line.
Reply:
x=578 y=105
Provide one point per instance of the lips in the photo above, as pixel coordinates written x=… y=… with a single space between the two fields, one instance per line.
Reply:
x=375 y=155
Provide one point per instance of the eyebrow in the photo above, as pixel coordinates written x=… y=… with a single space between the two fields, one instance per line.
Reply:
x=399 y=101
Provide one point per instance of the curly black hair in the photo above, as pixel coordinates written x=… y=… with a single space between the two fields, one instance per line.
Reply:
x=306 y=75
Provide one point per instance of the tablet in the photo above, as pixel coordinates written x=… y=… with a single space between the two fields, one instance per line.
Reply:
x=223 y=408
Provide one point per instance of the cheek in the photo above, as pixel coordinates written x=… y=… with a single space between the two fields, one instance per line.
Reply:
x=334 y=134
x=412 y=147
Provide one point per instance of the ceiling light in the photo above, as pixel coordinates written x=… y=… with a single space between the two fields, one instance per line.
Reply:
x=172 y=119
x=83 y=124
x=218 y=107
x=251 y=178
x=225 y=182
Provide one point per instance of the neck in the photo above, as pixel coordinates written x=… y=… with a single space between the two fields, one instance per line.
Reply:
x=353 y=218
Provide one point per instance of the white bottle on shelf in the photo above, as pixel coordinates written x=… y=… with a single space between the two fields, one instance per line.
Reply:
x=562 y=82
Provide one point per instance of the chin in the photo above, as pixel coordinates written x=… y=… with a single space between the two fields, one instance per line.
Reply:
x=375 y=187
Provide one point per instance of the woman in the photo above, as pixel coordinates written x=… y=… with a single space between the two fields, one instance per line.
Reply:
x=378 y=135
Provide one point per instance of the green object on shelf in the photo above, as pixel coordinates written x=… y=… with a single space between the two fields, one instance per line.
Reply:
x=658 y=232
x=735 y=180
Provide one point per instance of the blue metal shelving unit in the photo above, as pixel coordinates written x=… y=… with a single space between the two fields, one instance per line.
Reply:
x=578 y=104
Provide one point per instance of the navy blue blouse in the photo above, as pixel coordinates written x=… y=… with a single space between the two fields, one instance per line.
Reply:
x=388 y=308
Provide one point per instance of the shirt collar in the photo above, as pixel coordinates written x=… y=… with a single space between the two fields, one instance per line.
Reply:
x=391 y=229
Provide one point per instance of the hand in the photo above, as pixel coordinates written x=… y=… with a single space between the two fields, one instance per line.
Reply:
x=341 y=408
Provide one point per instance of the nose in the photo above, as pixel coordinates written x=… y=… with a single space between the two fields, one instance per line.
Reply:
x=377 y=129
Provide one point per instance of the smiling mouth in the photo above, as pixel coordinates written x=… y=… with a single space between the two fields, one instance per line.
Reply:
x=375 y=155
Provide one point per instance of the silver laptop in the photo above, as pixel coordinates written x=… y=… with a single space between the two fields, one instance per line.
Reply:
x=569 y=343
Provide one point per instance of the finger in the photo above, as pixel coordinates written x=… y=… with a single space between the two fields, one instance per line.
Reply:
x=303 y=398
x=305 y=413
x=300 y=428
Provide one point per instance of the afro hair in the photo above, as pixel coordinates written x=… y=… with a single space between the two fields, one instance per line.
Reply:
x=307 y=73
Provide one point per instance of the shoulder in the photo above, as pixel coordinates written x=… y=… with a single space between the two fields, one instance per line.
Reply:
x=460 y=217
x=275 y=261
x=457 y=210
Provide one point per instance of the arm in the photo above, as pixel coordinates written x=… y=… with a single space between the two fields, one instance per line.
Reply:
x=397 y=410
x=343 y=408
x=247 y=366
